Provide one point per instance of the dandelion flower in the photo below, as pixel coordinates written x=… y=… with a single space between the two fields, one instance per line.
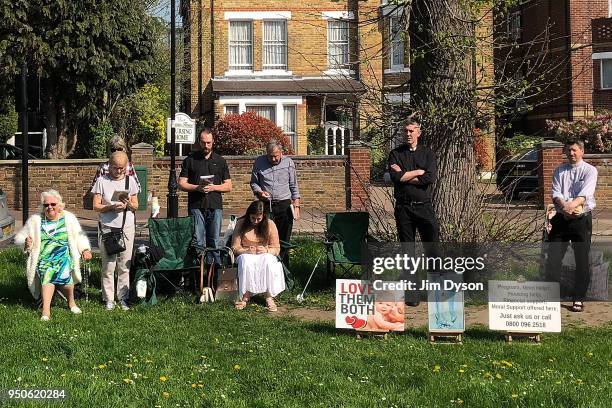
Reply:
x=590 y=354
x=102 y=366
x=498 y=376
x=436 y=369
x=128 y=381
x=237 y=367
x=163 y=378
x=166 y=394
x=488 y=375
x=514 y=395
x=128 y=365
x=193 y=385
x=45 y=359
x=459 y=401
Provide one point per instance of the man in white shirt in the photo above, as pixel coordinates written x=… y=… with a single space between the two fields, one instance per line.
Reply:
x=573 y=193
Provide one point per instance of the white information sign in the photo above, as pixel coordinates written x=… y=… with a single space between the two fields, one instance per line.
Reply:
x=524 y=306
x=185 y=129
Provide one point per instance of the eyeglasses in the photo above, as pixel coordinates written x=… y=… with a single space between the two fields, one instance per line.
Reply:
x=49 y=205
x=116 y=149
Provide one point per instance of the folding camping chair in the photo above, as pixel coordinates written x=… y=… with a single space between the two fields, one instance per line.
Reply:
x=174 y=236
x=345 y=233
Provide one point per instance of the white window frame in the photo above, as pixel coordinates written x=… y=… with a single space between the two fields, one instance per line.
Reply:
x=245 y=68
x=514 y=25
x=334 y=67
x=277 y=100
x=291 y=135
x=267 y=105
x=395 y=41
x=282 y=43
x=601 y=73
x=225 y=112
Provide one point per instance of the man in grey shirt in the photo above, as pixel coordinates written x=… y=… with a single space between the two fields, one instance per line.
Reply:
x=573 y=193
x=274 y=181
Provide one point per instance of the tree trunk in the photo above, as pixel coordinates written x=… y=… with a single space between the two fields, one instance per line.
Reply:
x=61 y=128
x=443 y=97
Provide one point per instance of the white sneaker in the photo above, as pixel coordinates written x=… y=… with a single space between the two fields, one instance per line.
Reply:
x=124 y=306
x=76 y=310
x=45 y=318
x=110 y=305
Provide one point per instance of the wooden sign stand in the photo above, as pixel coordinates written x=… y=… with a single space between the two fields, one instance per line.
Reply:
x=450 y=337
x=379 y=334
x=534 y=337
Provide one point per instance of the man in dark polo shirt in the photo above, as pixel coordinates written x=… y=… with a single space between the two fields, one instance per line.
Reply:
x=274 y=180
x=413 y=171
x=205 y=202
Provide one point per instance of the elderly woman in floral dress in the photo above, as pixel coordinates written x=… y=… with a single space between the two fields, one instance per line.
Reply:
x=55 y=243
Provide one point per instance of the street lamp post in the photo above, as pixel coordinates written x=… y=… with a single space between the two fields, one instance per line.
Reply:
x=23 y=89
x=172 y=184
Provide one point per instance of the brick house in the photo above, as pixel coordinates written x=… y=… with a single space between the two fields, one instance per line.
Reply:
x=569 y=43
x=322 y=63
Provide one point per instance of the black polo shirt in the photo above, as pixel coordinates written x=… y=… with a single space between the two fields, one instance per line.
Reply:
x=408 y=160
x=196 y=165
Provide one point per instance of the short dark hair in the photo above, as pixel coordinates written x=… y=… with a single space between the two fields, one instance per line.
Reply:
x=570 y=142
x=411 y=121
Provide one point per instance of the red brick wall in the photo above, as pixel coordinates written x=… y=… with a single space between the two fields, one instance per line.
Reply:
x=358 y=173
x=322 y=179
x=551 y=155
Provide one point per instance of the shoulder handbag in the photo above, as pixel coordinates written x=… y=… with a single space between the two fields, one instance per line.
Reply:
x=114 y=241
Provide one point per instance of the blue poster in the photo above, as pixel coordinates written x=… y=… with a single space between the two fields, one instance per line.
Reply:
x=445 y=307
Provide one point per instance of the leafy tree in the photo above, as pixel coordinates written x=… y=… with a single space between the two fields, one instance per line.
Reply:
x=89 y=53
x=247 y=133
x=9 y=119
x=141 y=117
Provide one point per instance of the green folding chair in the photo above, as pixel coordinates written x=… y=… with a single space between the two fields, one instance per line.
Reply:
x=345 y=233
x=175 y=236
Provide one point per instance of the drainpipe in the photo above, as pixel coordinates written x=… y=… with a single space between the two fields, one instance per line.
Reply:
x=568 y=28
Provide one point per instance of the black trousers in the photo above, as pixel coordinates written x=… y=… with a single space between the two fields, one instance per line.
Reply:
x=577 y=231
x=410 y=218
x=420 y=217
x=283 y=218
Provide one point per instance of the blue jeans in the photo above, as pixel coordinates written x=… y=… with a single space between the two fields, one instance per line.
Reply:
x=208 y=229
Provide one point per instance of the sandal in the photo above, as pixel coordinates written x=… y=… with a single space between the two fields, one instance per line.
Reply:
x=241 y=304
x=271 y=305
x=577 y=307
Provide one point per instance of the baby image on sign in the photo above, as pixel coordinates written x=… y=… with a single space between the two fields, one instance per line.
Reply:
x=360 y=307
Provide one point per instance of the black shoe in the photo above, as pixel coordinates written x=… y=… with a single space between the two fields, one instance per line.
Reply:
x=412 y=304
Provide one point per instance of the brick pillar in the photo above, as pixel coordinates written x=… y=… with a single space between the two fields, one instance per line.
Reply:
x=358 y=176
x=142 y=155
x=550 y=155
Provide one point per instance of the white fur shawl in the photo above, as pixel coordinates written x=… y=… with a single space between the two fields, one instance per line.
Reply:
x=77 y=241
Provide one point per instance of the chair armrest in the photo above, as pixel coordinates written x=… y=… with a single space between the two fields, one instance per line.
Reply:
x=287 y=245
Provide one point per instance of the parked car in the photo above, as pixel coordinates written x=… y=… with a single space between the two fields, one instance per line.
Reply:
x=7 y=221
x=518 y=174
x=10 y=152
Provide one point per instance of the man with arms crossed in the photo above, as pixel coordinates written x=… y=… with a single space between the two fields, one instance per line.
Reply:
x=412 y=168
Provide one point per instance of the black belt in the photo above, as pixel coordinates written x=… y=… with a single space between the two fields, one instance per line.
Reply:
x=275 y=202
x=412 y=203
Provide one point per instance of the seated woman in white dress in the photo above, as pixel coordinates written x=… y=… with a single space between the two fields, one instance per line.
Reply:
x=255 y=242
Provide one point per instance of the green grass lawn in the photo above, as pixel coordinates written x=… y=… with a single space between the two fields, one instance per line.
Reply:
x=182 y=354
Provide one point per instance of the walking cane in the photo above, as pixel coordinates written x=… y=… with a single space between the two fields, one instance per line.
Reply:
x=300 y=297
